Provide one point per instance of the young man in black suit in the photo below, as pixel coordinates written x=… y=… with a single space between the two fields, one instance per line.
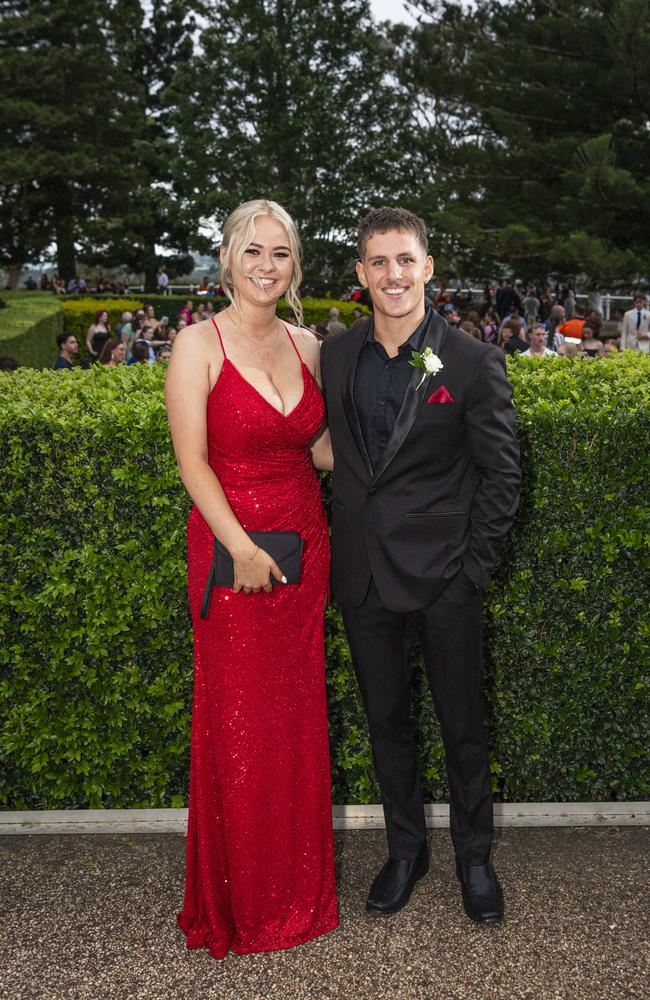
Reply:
x=426 y=485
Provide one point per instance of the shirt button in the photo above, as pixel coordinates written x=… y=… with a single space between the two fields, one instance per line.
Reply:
x=381 y=404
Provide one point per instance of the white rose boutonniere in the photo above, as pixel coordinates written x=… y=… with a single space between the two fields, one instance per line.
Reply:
x=429 y=362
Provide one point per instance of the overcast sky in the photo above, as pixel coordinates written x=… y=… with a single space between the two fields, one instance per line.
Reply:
x=390 y=10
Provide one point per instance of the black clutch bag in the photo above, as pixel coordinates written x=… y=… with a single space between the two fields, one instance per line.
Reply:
x=283 y=546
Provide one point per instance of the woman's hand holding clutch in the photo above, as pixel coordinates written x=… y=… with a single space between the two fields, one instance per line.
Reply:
x=254 y=573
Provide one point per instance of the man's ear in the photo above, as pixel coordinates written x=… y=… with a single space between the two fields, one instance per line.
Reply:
x=429 y=267
x=361 y=274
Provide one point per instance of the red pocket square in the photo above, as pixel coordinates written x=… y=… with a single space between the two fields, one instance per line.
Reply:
x=441 y=396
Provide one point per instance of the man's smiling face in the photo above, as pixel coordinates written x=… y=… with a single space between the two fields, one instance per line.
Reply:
x=395 y=269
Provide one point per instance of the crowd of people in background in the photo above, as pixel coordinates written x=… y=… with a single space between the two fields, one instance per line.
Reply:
x=545 y=322
x=530 y=320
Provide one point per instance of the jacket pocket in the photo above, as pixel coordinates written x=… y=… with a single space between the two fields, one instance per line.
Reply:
x=438 y=513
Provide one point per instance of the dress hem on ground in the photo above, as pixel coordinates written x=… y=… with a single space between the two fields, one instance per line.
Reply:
x=201 y=937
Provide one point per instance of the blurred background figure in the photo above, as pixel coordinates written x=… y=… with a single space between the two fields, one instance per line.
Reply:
x=335 y=325
x=537 y=349
x=635 y=326
x=68 y=347
x=98 y=333
x=113 y=353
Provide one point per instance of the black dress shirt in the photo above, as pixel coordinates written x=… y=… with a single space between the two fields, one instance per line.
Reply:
x=380 y=385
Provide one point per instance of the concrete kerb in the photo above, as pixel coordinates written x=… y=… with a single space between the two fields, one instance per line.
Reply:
x=370 y=817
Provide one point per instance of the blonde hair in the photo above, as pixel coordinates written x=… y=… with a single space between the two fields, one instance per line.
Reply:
x=239 y=230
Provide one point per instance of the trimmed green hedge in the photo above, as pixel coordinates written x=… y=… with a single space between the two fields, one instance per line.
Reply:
x=79 y=314
x=29 y=327
x=95 y=662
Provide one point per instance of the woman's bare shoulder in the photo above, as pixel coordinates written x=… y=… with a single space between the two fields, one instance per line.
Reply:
x=197 y=335
x=306 y=341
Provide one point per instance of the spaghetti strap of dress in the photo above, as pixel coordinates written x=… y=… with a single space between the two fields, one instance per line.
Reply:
x=293 y=342
x=219 y=336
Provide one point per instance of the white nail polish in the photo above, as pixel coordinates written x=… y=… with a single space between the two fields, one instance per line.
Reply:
x=284 y=579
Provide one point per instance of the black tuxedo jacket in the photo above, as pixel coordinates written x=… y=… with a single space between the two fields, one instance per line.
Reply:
x=447 y=487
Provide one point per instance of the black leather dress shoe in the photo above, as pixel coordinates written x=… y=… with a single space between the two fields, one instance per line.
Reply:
x=482 y=896
x=392 y=888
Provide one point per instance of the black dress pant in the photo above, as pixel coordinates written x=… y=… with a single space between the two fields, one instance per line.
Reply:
x=450 y=632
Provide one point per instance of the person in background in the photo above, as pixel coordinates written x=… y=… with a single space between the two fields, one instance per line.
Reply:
x=442 y=298
x=617 y=320
x=570 y=302
x=635 y=326
x=451 y=314
x=510 y=338
x=595 y=322
x=163 y=354
x=507 y=298
x=98 y=333
x=530 y=305
x=467 y=327
x=537 y=349
x=172 y=333
x=163 y=281
x=572 y=329
x=113 y=353
x=209 y=309
x=140 y=353
x=545 y=306
x=186 y=314
x=358 y=317
x=595 y=301
x=150 y=322
x=68 y=347
x=335 y=325
x=490 y=325
x=591 y=345
x=199 y=313
x=554 y=338
x=124 y=330
x=610 y=347
x=515 y=316
x=154 y=342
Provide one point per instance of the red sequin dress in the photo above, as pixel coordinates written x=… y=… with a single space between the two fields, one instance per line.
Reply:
x=260 y=871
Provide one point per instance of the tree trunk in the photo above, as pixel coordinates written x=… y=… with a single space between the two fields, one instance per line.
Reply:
x=64 y=234
x=151 y=279
x=15 y=271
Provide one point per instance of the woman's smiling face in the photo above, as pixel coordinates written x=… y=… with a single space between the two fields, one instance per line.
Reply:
x=267 y=267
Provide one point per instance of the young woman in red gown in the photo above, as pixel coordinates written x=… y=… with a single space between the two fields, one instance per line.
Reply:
x=247 y=422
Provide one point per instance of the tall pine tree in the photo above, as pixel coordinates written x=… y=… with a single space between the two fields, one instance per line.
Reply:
x=160 y=219
x=547 y=141
x=293 y=100
x=66 y=112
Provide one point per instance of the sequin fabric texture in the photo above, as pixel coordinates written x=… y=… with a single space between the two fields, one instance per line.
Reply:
x=260 y=870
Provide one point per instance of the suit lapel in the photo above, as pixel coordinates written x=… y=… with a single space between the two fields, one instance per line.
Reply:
x=357 y=339
x=434 y=338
